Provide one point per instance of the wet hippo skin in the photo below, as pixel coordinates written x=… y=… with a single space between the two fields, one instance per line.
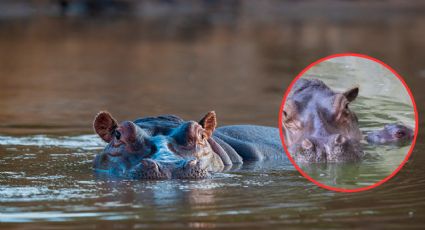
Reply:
x=167 y=147
x=394 y=134
x=319 y=125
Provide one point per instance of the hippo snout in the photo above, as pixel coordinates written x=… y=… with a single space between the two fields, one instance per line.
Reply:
x=343 y=149
x=336 y=148
x=113 y=163
x=149 y=169
x=396 y=134
x=309 y=150
x=374 y=137
x=337 y=144
x=306 y=144
x=193 y=169
x=153 y=170
x=338 y=139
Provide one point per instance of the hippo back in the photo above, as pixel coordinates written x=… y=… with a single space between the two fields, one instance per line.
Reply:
x=251 y=142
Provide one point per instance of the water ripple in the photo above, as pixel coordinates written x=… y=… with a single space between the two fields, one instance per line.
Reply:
x=88 y=142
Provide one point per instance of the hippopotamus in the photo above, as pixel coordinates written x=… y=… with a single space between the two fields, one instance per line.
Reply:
x=395 y=134
x=165 y=147
x=319 y=125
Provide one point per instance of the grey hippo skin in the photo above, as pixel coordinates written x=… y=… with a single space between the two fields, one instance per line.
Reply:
x=395 y=134
x=319 y=125
x=167 y=147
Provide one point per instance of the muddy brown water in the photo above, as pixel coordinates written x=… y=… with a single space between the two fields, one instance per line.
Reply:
x=57 y=73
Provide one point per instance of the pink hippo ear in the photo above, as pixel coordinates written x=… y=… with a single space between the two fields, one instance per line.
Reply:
x=209 y=122
x=104 y=124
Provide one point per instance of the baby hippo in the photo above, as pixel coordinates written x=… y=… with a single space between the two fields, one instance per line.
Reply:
x=396 y=133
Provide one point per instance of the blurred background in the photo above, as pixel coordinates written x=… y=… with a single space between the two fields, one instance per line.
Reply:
x=63 y=61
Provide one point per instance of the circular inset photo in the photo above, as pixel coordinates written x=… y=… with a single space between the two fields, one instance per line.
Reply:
x=348 y=122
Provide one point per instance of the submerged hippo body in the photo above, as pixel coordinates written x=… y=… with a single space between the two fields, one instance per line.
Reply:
x=167 y=147
x=395 y=134
x=318 y=124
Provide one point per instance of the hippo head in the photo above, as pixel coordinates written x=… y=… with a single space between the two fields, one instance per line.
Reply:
x=157 y=147
x=397 y=134
x=319 y=125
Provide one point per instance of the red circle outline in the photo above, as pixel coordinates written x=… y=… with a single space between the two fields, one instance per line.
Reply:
x=336 y=189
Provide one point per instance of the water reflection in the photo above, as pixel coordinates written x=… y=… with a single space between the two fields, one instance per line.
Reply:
x=251 y=194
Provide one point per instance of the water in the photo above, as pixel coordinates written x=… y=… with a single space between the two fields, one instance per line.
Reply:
x=382 y=100
x=57 y=73
x=55 y=186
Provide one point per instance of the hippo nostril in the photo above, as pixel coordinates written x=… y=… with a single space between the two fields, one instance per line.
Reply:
x=149 y=164
x=339 y=139
x=192 y=163
x=306 y=144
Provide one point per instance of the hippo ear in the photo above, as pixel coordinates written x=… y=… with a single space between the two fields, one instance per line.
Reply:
x=104 y=124
x=209 y=122
x=351 y=94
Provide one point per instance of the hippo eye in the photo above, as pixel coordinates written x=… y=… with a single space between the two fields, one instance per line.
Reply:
x=203 y=139
x=399 y=134
x=117 y=134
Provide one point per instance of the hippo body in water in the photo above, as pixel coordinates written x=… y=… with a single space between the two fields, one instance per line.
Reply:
x=320 y=127
x=393 y=134
x=318 y=124
x=167 y=147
